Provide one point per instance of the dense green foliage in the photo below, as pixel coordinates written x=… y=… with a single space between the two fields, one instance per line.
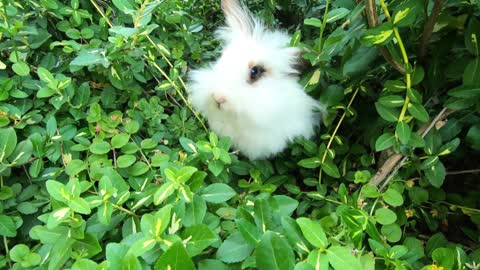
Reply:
x=103 y=165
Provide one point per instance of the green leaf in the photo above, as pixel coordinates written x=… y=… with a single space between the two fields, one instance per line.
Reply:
x=21 y=68
x=293 y=232
x=8 y=142
x=391 y=101
x=176 y=257
x=83 y=264
x=91 y=57
x=393 y=197
x=388 y=114
x=403 y=132
x=75 y=166
x=89 y=245
x=216 y=167
x=141 y=246
x=473 y=137
x=58 y=191
x=398 y=251
x=337 y=14
x=263 y=214
x=313 y=232
x=22 y=153
x=44 y=75
x=100 y=147
x=341 y=258
x=471 y=74
x=218 y=193
x=465 y=91
x=138 y=168
x=274 y=252
x=79 y=205
x=195 y=211
x=436 y=174
x=379 y=35
x=188 y=145
x=395 y=86
x=444 y=257
x=199 y=237
x=160 y=160
x=249 y=231
x=184 y=174
x=104 y=212
x=392 y=232
x=120 y=140
x=19 y=252
x=57 y=217
x=318 y=260
x=313 y=22
x=131 y=126
x=155 y=225
x=234 y=249
x=414 y=95
x=370 y=191
x=209 y=264
x=7 y=227
x=418 y=111
x=126 y=32
x=418 y=195
x=472 y=36
x=449 y=147
x=126 y=6
x=401 y=15
x=310 y=163
x=385 y=141
x=331 y=169
x=362 y=58
x=126 y=161
x=5 y=193
x=165 y=191
x=385 y=216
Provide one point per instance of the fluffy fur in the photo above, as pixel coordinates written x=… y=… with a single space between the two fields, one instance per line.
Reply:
x=261 y=117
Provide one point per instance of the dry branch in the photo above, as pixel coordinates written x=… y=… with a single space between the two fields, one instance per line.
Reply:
x=392 y=165
x=428 y=28
x=373 y=21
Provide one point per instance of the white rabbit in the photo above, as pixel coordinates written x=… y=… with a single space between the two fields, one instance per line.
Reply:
x=251 y=92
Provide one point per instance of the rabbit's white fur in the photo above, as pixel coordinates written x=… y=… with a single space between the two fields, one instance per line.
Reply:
x=261 y=117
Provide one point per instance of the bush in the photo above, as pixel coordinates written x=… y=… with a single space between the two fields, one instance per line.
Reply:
x=104 y=165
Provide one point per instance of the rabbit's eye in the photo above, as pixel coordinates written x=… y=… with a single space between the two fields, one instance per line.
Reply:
x=256 y=72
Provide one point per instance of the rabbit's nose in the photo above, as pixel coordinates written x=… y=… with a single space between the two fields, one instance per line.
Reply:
x=219 y=100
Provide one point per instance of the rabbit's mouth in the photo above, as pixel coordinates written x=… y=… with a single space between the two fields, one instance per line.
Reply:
x=219 y=101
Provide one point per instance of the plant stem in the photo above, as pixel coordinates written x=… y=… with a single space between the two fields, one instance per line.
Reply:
x=428 y=28
x=335 y=132
x=327 y=199
x=5 y=243
x=178 y=92
x=405 y=59
x=464 y=172
x=372 y=18
x=324 y=24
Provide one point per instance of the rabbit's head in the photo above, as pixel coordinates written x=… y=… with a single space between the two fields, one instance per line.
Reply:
x=251 y=93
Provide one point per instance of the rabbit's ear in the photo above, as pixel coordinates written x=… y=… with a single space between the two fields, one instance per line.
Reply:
x=238 y=17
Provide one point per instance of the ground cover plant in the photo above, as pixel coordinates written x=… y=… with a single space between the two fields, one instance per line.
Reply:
x=104 y=164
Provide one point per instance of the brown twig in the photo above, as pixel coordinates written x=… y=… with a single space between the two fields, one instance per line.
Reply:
x=428 y=29
x=396 y=161
x=464 y=172
x=373 y=21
